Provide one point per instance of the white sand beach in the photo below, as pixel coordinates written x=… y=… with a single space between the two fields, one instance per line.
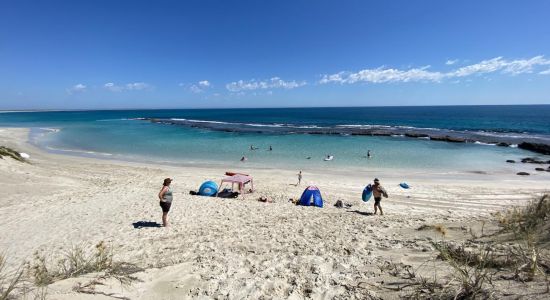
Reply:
x=238 y=248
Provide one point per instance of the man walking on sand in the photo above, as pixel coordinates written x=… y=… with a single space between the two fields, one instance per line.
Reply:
x=378 y=191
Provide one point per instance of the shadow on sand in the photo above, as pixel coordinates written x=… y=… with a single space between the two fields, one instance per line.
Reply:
x=363 y=213
x=143 y=224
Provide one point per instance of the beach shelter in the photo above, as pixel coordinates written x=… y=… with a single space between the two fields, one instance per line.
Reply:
x=208 y=188
x=241 y=180
x=311 y=197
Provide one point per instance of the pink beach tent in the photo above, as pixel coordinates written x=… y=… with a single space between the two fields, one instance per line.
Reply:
x=240 y=179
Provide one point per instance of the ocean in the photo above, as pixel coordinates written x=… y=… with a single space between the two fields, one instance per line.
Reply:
x=301 y=138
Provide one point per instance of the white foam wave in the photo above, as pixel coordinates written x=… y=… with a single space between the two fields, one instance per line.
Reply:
x=111 y=120
x=53 y=130
x=485 y=144
x=79 y=151
x=202 y=121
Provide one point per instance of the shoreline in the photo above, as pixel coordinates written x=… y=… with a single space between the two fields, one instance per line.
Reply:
x=216 y=247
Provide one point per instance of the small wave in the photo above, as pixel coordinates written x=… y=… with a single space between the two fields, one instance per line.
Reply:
x=263 y=125
x=111 y=120
x=203 y=121
x=273 y=125
x=53 y=130
x=79 y=151
x=486 y=144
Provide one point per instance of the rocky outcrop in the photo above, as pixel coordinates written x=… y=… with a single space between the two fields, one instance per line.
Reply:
x=523 y=173
x=448 y=138
x=539 y=169
x=535 y=147
x=530 y=160
x=523 y=140
x=510 y=161
x=416 y=135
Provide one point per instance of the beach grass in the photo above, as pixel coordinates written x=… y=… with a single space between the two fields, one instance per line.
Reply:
x=518 y=252
x=81 y=260
x=9 y=280
x=8 y=152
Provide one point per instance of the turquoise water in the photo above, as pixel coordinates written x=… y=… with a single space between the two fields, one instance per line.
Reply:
x=116 y=134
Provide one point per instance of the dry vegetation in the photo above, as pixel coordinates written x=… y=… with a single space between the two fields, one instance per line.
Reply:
x=5 y=151
x=9 y=280
x=518 y=252
x=32 y=279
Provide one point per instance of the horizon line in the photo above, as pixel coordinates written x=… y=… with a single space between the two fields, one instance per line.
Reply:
x=231 y=108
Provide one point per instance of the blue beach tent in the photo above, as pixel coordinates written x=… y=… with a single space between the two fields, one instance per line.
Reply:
x=208 y=188
x=311 y=197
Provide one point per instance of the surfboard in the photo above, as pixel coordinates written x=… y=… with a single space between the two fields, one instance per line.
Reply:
x=404 y=185
x=367 y=193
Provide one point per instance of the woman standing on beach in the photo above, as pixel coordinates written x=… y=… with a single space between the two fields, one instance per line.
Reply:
x=165 y=196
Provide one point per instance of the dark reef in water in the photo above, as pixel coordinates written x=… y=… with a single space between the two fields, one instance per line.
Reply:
x=535 y=147
x=522 y=140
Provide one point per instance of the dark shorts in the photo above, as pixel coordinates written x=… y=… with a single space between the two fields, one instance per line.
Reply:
x=377 y=200
x=165 y=206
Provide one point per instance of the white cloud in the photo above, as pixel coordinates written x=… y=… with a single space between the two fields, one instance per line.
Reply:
x=112 y=87
x=204 y=83
x=545 y=72
x=273 y=83
x=383 y=75
x=386 y=75
x=77 y=88
x=450 y=62
x=137 y=86
x=195 y=89
x=198 y=87
x=134 y=86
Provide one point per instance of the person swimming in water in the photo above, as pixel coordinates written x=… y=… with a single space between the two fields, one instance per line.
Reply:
x=368 y=154
x=270 y=148
x=244 y=158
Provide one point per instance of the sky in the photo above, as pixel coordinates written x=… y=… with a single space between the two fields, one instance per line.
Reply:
x=220 y=54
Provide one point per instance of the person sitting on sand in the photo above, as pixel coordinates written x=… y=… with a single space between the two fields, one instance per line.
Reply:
x=378 y=191
x=165 y=196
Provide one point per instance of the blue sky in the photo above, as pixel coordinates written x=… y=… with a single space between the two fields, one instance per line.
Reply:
x=176 y=54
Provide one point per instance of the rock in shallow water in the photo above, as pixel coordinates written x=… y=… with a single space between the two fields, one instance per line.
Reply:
x=530 y=160
x=523 y=173
x=535 y=147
